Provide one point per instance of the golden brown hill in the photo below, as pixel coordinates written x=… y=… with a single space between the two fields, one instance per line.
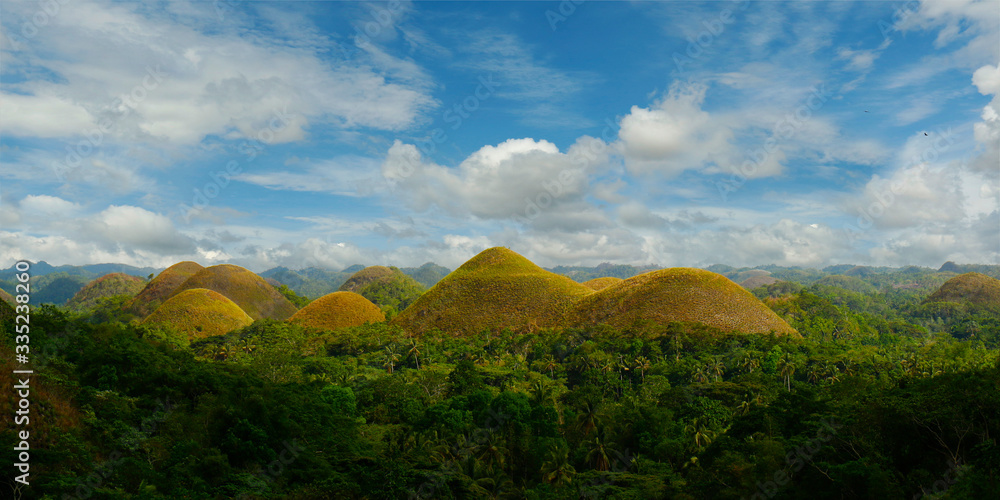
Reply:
x=494 y=290
x=6 y=297
x=109 y=285
x=362 y=278
x=200 y=313
x=338 y=310
x=601 y=283
x=246 y=289
x=161 y=287
x=679 y=294
x=972 y=288
x=756 y=281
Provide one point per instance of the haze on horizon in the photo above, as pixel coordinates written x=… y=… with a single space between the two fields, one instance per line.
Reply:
x=336 y=133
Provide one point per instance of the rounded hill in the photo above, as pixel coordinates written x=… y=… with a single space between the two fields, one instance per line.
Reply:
x=496 y=289
x=109 y=285
x=758 y=281
x=338 y=310
x=679 y=294
x=972 y=288
x=601 y=283
x=161 y=287
x=200 y=313
x=393 y=292
x=362 y=278
x=249 y=291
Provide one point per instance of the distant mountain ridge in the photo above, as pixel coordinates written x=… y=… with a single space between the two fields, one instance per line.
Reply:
x=89 y=271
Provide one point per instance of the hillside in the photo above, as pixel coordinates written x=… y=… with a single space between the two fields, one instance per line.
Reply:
x=757 y=281
x=601 y=283
x=679 y=294
x=199 y=313
x=7 y=312
x=428 y=274
x=160 y=287
x=248 y=290
x=392 y=292
x=337 y=310
x=362 y=278
x=106 y=286
x=603 y=270
x=494 y=290
x=969 y=288
x=6 y=297
x=89 y=271
x=55 y=288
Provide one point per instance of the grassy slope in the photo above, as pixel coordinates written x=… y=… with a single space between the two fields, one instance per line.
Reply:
x=973 y=288
x=108 y=285
x=6 y=297
x=161 y=287
x=602 y=283
x=249 y=291
x=200 y=313
x=365 y=276
x=338 y=310
x=496 y=289
x=679 y=294
x=756 y=281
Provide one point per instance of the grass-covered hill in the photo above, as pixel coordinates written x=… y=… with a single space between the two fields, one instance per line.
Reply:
x=758 y=281
x=969 y=288
x=392 y=292
x=199 y=313
x=109 y=285
x=363 y=277
x=6 y=297
x=682 y=295
x=338 y=310
x=161 y=287
x=248 y=290
x=494 y=290
x=601 y=283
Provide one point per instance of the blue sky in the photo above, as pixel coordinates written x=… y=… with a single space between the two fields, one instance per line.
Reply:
x=331 y=133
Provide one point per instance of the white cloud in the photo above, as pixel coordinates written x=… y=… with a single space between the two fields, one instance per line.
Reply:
x=49 y=206
x=675 y=134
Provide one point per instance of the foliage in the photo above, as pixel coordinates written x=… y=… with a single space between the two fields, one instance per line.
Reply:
x=296 y=299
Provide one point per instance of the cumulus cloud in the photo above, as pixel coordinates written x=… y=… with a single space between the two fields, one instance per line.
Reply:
x=675 y=134
x=178 y=83
x=987 y=132
x=519 y=178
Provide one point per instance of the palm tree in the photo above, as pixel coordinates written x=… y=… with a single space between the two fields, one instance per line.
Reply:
x=225 y=352
x=557 y=470
x=748 y=363
x=391 y=357
x=415 y=351
x=786 y=368
x=550 y=364
x=642 y=364
x=718 y=368
x=701 y=373
x=589 y=418
x=597 y=453
x=247 y=346
x=700 y=432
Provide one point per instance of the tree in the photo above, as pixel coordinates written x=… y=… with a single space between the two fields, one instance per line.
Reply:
x=642 y=364
x=391 y=358
x=556 y=469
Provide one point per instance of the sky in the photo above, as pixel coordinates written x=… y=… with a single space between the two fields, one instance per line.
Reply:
x=332 y=133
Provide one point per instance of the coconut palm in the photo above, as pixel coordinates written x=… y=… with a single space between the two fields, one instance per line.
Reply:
x=391 y=358
x=700 y=432
x=642 y=364
x=786 y=368
x=589 y=418
x=718 y=368
x=415 y=351
x=556 y=469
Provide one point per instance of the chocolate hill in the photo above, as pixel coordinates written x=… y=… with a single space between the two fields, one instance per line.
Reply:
x=161 y=287
x=200 y=313
x=248 y=290
x=109 y=285
x=337 y=310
